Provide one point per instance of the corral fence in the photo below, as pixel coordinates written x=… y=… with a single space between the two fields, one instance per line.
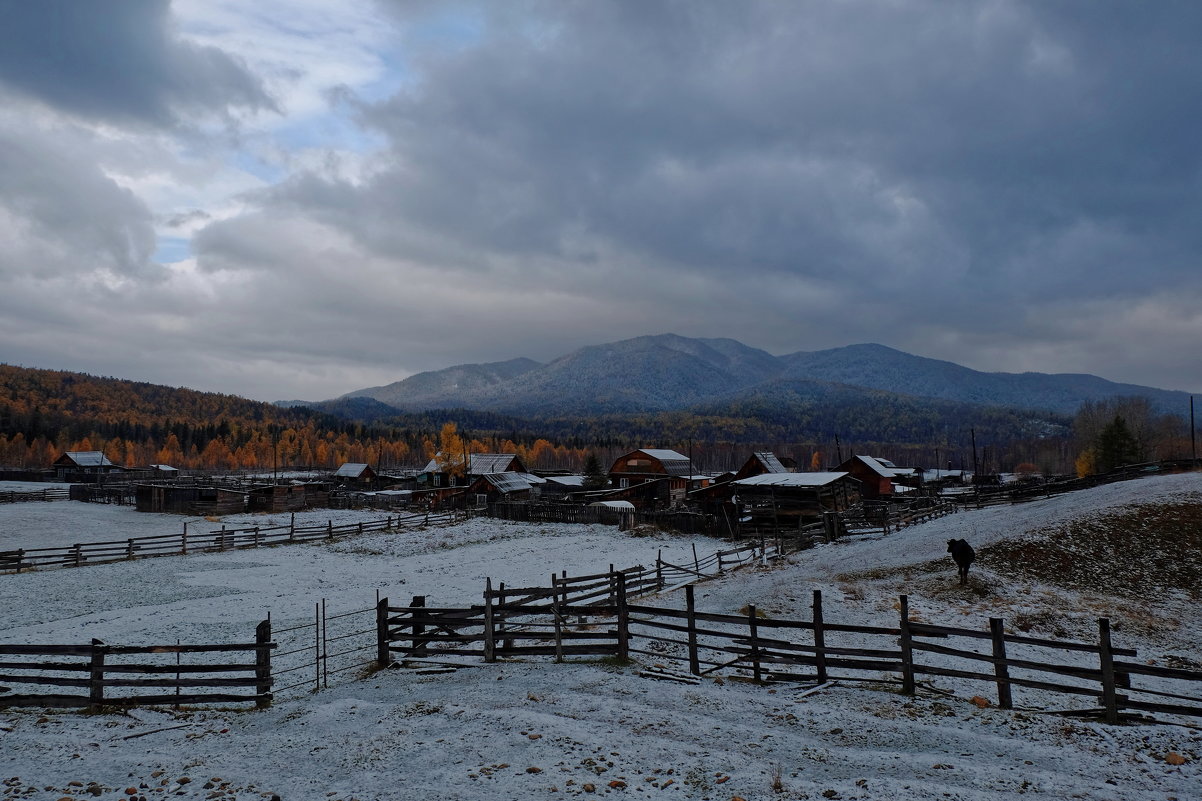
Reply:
x=982 y=496
x=99 y=675
x=24 y=496
x=595 y=618
x=223 y=539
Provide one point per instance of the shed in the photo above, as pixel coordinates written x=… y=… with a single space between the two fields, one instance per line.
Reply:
x=498 y=487
x=74 y=464
x=356 y=472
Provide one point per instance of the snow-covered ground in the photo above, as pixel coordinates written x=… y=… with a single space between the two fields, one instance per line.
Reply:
x=538 y=729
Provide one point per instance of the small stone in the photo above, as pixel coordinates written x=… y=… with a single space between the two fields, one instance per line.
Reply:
x=534 y=736
x=980 y=701
x=184 y=780
x=588 y=788
x=533 y=769
x=1173 y=758
x=131 y=790
x=617 y=784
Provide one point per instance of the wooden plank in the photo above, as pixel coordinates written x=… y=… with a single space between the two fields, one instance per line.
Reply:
x=53 y=681
x=1159 y=708
x=1156 y=670
x=245 y=681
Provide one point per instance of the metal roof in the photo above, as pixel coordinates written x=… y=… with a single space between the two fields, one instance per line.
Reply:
x=675 y=464
x=884 y=467
x=507 y=482
x=351 y=470
x=791 y=480
x=89 y=459
x=566 y=481
x=770 y=462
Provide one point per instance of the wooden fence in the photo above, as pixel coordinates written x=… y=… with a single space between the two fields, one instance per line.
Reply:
x=593 y=616
x=98 y=675
x=23 y=496
x=223 y=539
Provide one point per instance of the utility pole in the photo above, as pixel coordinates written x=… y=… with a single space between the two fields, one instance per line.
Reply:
x=973 y=433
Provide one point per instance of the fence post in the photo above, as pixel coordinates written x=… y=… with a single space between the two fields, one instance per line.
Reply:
x=558 y=619
x=696 y=562
x=755 y=642
x=263 y=664
x=1109 y=695
x=719 y=554
x=256 y=536
x=613 y=590
x=20 y=558
x=819 y=638
x=419 y=626
x=329 y=529
x=221 y=542
x=383 y=658
x=78 y=554
x=1000 y=670
x=129 y=548
x=96 y=676
x=623 y=620
x=490 y=642
x=691 y=619
x=659 y=570
x=907 y=651
x=184 y=541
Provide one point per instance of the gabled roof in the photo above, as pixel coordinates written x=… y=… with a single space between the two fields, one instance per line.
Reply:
x=566 y=481
x=507 y=482
x=351 y=470
x=479 y=464
x=88 y=458
x=675 y=464
x=790 y=480
x=770 y=462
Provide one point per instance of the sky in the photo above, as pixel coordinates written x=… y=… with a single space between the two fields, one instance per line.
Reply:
x=297 y=199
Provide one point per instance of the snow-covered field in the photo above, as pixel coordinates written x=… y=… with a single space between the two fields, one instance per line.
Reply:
x=541 y=730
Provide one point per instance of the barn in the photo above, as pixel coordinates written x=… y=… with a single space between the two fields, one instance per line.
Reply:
x=671 y=471
x=876 y=475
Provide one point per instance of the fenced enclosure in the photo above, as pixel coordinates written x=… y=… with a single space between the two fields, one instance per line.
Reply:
x=223 y=539
x=592 y=616
x=98 y=675
x=26 y=496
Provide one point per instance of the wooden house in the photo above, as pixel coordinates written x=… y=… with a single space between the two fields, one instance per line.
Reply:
x=876 y=475
x=75 y=465
x=499 y=488
x=671 y=471
x=278 y=498
x=478 y=464
x=189 y=500
x=355 y=473
x=778 y=500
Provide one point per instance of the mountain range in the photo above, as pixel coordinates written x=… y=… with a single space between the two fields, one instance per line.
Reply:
x=668 y=373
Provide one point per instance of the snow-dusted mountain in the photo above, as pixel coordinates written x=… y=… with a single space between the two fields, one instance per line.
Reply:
x=670 y=372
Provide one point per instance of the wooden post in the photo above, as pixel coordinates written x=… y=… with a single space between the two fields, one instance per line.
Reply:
x=613 y=590
x=1000 y=670
x=419 y=625
x=1109 y=695
x=78 y=554
x=96 y=676
x=292 y=527
x=659 y=570
x=557 y=618
x=221 y=541
x=691 y=618
x=256 y=536
x=755 y=642
x=490 y=642
x=696 y=561
x=263 y=664
x=129 y=548
x=20 y=558
x=719 y=553
x=623 y=620
x=383 y=658
x=329 y=529
x=819 y=638
x=184 y=541
x=907 y=651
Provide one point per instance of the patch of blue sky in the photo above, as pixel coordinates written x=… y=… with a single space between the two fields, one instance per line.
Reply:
x=172 y=249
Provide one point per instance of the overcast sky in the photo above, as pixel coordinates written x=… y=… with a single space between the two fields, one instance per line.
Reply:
x=296 y=199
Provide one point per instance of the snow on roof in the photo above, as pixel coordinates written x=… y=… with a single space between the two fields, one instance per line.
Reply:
x=89 y=458
x=164 y=467
x=351 y=470
x=791 y=480
x=478 y=464
x=675 y=464
x=507 y=482
x=566 y=481
x=770 y=462
x=530 y=478
x=884 y=467
x=614 y=504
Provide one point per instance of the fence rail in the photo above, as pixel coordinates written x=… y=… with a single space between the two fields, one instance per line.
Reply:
x=223 y=539
x=99 y=675
x=593 y=616
x=24 y=496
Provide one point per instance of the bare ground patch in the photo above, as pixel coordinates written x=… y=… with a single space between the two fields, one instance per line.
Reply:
x=1144 y=552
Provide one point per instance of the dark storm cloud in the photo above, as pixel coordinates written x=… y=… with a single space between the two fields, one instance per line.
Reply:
x=1016 y=146
x=117 y=61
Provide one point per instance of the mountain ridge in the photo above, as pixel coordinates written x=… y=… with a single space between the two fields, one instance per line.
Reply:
x=668 y=372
